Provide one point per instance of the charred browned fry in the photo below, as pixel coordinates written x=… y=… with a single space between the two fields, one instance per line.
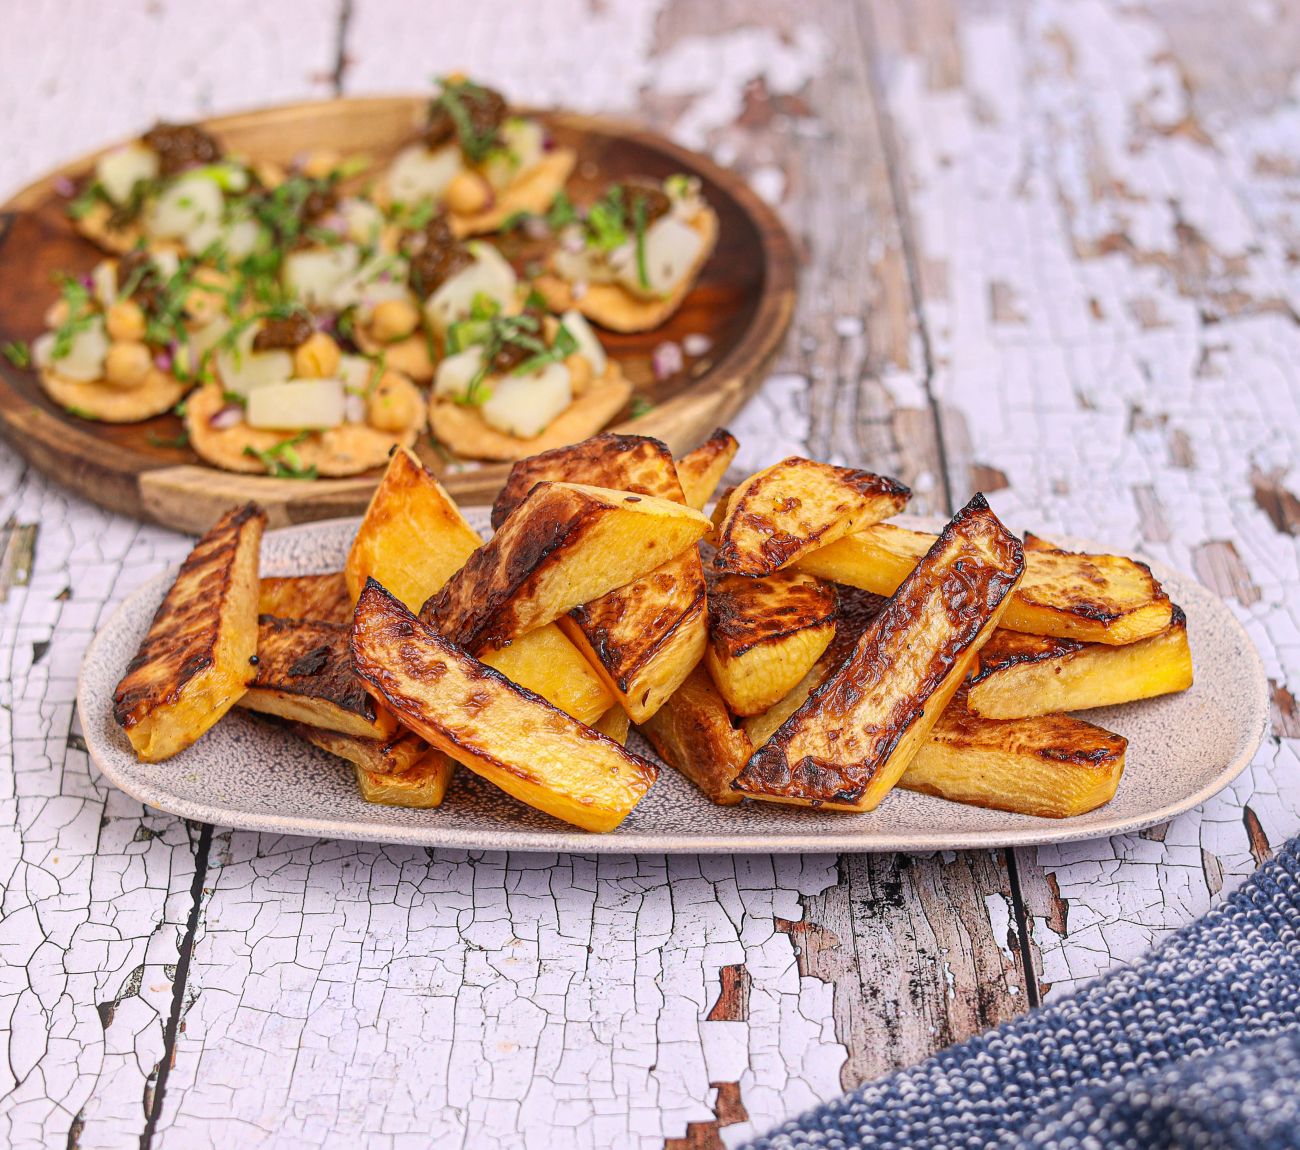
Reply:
x=693 y=734
x=765 y=634
x=304 y=673
x=565 y=545
x=1052 y=766
x=321 y=598
x=194 y=662
x=510 y=736
x=796 y=506
x=700 y=471
x=181 y=146
x=850 y=741
x=635 y=463
x=398 y=753
x=1022 y=675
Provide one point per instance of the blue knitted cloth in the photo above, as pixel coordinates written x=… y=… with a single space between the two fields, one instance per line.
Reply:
x=1196 y=1045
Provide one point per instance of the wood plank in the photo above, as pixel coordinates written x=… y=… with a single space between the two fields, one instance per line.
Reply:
x=96 y=888
x=502 y=999
x=1099 y=195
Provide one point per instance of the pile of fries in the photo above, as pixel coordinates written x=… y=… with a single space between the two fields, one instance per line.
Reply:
x=795 y=648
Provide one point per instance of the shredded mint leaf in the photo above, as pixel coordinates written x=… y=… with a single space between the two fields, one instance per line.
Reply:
x=281 y=460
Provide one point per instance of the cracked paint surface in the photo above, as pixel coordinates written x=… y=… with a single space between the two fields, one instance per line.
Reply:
x=1102 y=225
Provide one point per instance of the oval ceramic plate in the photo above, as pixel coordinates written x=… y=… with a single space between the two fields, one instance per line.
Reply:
x=247 y=773
x=742 y=303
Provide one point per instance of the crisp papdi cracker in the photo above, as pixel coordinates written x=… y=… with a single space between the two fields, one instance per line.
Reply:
x=95 y=227
x=106 y=402
x=612 y=306
x=347 y=450
x=463 y=430
x=534 y=192
x=410 y=356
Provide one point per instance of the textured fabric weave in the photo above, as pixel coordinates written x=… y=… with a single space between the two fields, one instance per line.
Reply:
x=1196 y=1045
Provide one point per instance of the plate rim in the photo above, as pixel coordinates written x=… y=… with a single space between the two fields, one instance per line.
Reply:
x=162 y=491
x=568 y=840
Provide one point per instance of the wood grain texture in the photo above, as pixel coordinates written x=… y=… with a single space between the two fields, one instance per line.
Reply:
x=741 y=305
x=1098 y=218
x=1103 y=199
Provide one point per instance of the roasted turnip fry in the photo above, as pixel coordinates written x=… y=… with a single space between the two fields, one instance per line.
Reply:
x=414 y=537
x=693 y=733
x=194 y=662
x=421 y=786
x=787 y=510
x=645 y=637
x=565 y=545
x=391 y=756
x=546 y=662
x=852 y=738
x=1022 y=675
x=510 y=736
x=701 y=470
x=765 y=635
x=1093 y=598
x=304 y=673
x=615 y=724
x=633 y=463
x=1053 y=766
x=321 y=598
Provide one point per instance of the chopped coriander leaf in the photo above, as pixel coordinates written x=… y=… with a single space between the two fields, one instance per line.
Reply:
x=563 y=347
x=80 y=412
x=677 y=185
x=515 y=220
x=412 y=217
x=18 y=353
x=83 y=203
x=483 y=306
x=281 y=460
x=81 y=316
x=233 y=397
x=349 y=167
x=181 y=440
x=606 y=226
x=639 y=406
x=562 y=212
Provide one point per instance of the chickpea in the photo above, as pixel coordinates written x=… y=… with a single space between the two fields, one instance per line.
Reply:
x=124 y=320
x=127 y=364
x=579 y=372
x=393 y=319
x=56 y=315
x=395 y=404
x=317 y=358
x=206 y=298
x=320 y=163
x=467 y=193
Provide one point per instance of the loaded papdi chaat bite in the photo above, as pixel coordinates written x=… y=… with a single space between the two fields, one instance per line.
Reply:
x=121 y=342
x=283 y=398
x=628 y=261
x=477 y=160
x=510 y=386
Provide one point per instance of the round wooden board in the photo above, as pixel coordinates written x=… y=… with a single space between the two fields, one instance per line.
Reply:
x=743 y=303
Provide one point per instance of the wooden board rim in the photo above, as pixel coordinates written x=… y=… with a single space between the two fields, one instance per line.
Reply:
x=190 y=496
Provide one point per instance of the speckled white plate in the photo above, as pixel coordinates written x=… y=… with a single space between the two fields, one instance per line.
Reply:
x=247 y=773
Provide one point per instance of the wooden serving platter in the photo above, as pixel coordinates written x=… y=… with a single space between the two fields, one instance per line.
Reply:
x=742 y=303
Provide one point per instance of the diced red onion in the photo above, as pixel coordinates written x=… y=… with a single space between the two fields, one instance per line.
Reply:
x=65 y=187
x=231 y=415
x=578 y=290
x=88 y=283
x=621 y=253
x=536 y=228
x=572 y=241
x=666 y=359
x=548 y=142
x=354 y=408
x=335 y=223
x=163 y=361
x=696 y=344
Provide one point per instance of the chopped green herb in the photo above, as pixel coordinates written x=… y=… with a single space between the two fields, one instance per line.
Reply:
x=563 y=347
x=515 y=220
x=412 y=217
x=639 y=224
x=478 y=145
x=281 y=460
x=562 y=213
x=606 y=221
x=678 y=185
x=483 y=306
x=18 y=353
x=181 y=440
x=81 y=316
x=84 y=202
x=639 y=406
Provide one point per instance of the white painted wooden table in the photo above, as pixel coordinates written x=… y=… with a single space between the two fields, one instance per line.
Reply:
x=1052 y=251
